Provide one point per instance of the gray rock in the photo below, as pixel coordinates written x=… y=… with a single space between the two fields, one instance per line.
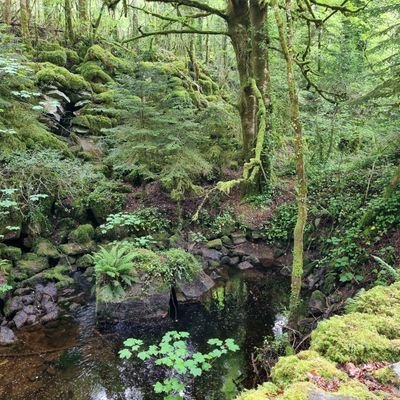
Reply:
x=30 y=309
x=317 y=302
x=211 y=254
x=13 y=305
x=314 y=395
x=32 y=319
x=51 y=290
x=20 y=319
x=396 y=369
x=238 y=238
x=194 y=290
x=252 y=259
x=7 y=336
x=225 y=260
x=49 y=306
x=233 y=260
x=52 y=316
x=245 y=265
x=23 y=291
x=28 y=299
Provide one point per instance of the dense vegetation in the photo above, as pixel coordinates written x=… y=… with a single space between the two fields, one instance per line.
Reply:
x=137 y=137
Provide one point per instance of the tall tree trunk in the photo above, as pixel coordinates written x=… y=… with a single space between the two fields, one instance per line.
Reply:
x=83 y=11
x=24 y=19
x=7 y=12
x=260 y=57
x=286 y=40
x=69 y=32
x=239 y=28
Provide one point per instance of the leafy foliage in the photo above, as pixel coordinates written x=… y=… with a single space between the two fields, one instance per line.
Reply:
x=173 y=352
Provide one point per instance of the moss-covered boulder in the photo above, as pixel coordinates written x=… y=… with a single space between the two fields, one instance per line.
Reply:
x=261 y=393
x=57 y=57
x=105 y=58
x=50 y=74
x=94 y=123
x=94 y=73
x=44 y=248
x=10 y=252
x=29 y=265
x=82 y=234
x=75 y=249
x=358 y=337
x=296 y=368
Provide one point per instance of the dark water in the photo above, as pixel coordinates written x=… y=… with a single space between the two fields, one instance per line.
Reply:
x=243 y=307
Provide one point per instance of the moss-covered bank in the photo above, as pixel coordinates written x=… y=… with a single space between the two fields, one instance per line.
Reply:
x=368 y=332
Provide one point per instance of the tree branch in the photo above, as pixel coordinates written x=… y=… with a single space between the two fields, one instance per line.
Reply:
x=340 y=8
x=195 y=4
x=174 y=31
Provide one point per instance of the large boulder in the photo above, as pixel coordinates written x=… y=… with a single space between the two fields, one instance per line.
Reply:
x=194 y=290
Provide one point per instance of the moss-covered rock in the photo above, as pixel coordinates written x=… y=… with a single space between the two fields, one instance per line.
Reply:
x=261 y=393
x=95 y=123
x=214 y=244
x=296 y=368
x=107 y=198
x=357 y=337
x=50 y=74
x=10 y=252
x=60 y=275
x=56 y=57
x=380 y=300
x=84 y=262
x=29 y=265
x=93 y=73
x=105 y=58
x=75 y=249
x=82 y=234
x=44 y=248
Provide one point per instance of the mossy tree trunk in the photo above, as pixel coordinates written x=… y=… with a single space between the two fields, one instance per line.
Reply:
x=24 y=20
x=286 y=41
x=247 y=29
x=69 y=32
x=7 y=12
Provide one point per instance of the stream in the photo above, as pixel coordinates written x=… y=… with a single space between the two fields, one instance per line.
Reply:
x=81 y=360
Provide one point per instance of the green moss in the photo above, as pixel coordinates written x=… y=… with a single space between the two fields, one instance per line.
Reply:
x=107 y=198
x=266 y=389
x=72 y=57
x=180 y=95
x=82 y=234
x=59 y=274
x=10 y=252
x=357 y=337
x=386 y=376
x=56 y=57
x=44 y=248
x=95 y=123
x=296 y=368
x=107 y=97
x=50 y=74
x=298 y=391
x=106 y=59
x=380 y=300
x=93 y=73
x=357 y=390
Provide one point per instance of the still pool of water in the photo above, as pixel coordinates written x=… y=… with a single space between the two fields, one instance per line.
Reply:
x=77 y=362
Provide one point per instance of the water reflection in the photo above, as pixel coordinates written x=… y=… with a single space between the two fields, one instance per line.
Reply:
x=243 y=307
